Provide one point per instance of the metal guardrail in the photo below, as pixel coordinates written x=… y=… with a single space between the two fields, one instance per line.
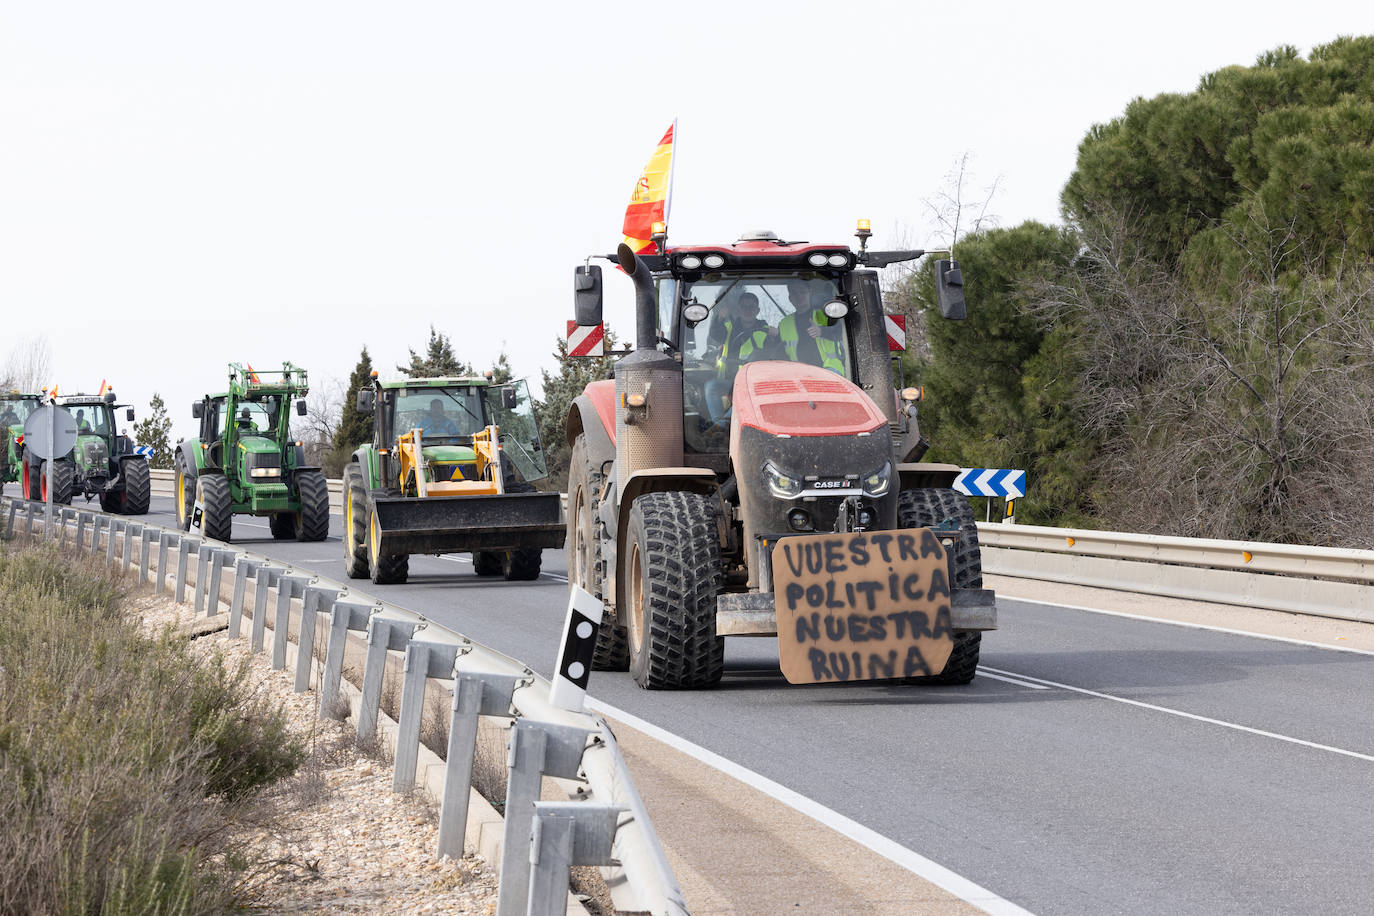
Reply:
x=1324 y=581
x=566 y=744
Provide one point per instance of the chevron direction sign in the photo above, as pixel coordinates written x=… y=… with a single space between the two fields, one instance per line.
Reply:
x=144 y=450
x=991 y=482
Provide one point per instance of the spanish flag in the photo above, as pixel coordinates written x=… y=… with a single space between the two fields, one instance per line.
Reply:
x=253 y=376
x=104 y=387
x=652 y=193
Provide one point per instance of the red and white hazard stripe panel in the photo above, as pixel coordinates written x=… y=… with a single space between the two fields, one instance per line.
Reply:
x=585 y=341
x=896 y=332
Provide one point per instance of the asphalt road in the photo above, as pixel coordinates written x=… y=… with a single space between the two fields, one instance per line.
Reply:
x=1098 y=764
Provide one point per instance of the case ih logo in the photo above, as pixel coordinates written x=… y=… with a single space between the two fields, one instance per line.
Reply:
x=830 y=484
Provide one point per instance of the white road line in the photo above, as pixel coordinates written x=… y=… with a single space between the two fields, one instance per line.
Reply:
x=983 y=672
x=912 y=861
x=1188 y=715
x=1195 y=626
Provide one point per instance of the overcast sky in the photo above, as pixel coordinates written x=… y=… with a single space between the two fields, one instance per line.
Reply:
x=184 y=184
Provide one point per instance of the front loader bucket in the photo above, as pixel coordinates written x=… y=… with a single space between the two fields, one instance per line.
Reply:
x=453 y=524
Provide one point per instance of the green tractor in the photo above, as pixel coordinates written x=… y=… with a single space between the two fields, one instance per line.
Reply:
x=451 y=468
x=14 y=410
x=245 y=462
x=103 y=463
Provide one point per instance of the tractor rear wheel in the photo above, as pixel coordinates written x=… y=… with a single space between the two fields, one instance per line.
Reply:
x=922 y=508
x=184 y=496
x=137 y=487
x=217 y=506
x=522 y=564
x=59 y=476
x=355 y=523
x=384 y=569
x=488 y=562
x=28 y=476
x=673 y=577
x=313 y=521
x=584 y=554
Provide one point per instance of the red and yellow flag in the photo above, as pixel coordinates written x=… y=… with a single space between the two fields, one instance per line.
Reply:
x=104 y=387
x=649 y=202
x=253 y=376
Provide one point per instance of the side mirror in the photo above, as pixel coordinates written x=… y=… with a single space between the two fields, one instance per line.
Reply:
x=300 y=408
x=587 y=295
x=198 y=409
x=129 y=414
x=508 y=398
x=949 y=290
x=367 y=400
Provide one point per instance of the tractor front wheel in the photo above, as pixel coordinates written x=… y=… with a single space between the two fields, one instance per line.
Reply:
x=137 y=487
x=488 y=562
x=928 y=506
x=184 y=496
x=673 y=577
x=522 y=565
x=217 y=506
x=384 y=569
x=313 y=489
x=355 y=523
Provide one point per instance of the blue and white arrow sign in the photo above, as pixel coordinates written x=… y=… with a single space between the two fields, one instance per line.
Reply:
x=144 y=450
x=991 y=482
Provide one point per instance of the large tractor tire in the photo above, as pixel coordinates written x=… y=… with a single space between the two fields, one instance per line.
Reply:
x=523 y=564
x=488 y=562
x=585 y=481
x=384 y=569
x=282 y=525
x=138 y=490
x=29 y=474
x=673 y=574
x=922 y=508
x=59 y=476
x=217 y=518
x=313 y=489
x=355 y=523
x=184 y=495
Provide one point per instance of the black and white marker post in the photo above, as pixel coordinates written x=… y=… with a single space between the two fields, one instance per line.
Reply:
x=574 y=666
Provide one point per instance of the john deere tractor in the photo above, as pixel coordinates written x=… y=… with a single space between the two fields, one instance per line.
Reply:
x=14 y=410
x=104 y=464
x=450 y=469
x=244 y=462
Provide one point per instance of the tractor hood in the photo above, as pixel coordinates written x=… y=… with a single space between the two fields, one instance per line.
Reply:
x=448 y=454
x=796 y=399
x=256 y=445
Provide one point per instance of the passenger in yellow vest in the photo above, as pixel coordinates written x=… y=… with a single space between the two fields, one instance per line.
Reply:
x=825 y=346
x=745 y=336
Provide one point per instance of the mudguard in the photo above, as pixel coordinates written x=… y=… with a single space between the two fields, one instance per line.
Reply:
x=593 y=414
x=927 y=474
x=192 y=456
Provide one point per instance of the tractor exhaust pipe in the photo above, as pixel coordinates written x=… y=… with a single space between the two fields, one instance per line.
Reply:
x=646 y=306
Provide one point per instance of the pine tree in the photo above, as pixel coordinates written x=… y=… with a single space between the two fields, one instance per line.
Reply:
x=501 y=371
x=439 y=359
x=155 y=431
x=355 y=427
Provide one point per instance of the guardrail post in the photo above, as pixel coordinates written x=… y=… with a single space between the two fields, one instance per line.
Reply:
x=62 y=527
x=383 y=634
x=164 y=540
x=424 y=660
x=111 y=544
x=244 y=569
x=80 y=529
x=145 y=546
x=9 y=525
x=288 y=587
x=267 y=577
x=343 y=617
x=218 y=556
x=536 y=749
x=184 y=545
x=315 y=597
x=28 y=519
x=203 y=559
x=97 y=522
x=126 y=554
x=565 y=834
x=474 y=694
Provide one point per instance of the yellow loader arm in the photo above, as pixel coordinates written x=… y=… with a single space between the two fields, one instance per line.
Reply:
x=416 y=472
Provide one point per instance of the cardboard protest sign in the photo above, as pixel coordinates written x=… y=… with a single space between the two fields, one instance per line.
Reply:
x=863 y=606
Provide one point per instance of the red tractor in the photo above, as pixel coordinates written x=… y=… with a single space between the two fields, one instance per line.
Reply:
x=752 y=471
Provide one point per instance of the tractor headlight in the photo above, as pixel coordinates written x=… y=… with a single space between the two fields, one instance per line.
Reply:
x=876 y=484
x=816 y=260
x=715 y=261
x=838 y=260
x=690 y=262
x=782 y=485
x=264 y=472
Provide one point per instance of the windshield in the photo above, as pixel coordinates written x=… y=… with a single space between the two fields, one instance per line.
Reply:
x=519 y=429
x=254 y=417
x=752 y=317
x=92 y=418
x=14 y=411
x=440 y=413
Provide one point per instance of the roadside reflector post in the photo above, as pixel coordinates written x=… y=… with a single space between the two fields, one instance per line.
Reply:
x=424 y=660
x=475 y=694
x=317 y=599
x=565 y=834
x=184 y=547
x=267 y=577
x=345 y=616
x=537 y=749
x=288 y=587
x=383 y=634
x=573 y=669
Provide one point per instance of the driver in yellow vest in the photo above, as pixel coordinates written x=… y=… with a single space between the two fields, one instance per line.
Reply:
x=826 y=346
x=745 y=334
